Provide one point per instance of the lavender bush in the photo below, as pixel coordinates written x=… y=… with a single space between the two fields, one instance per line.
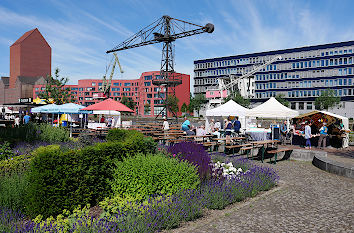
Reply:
x=195 y=154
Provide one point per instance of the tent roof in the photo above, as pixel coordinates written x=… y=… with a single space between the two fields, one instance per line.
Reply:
x=230 y=108
x=70 y=108
x=109 y=104
x=345 y=120
x=50 y=108
x=272 y=109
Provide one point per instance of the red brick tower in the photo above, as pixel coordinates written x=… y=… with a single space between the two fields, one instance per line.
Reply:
x=30 y=56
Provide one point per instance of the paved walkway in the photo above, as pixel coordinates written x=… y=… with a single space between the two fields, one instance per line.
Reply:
x=307 y=200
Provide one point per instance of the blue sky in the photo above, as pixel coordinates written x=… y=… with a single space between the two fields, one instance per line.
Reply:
x=80 y=32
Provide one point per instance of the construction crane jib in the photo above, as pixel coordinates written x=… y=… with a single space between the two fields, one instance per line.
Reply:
x=229 y=86
x=106 y=84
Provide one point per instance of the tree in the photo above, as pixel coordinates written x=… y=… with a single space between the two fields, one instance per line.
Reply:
x=280 y=98
x=147 y=109
x=172 y=103
x=197 y=102
x=128 y=102
x=55 y=92
x=237 y=97
x=327 y=100
x=184 y=107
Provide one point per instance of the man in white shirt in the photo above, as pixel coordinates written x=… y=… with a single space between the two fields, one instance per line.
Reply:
x=200 y=131
x=217 y=124
x=165 y=126
x=17 y=121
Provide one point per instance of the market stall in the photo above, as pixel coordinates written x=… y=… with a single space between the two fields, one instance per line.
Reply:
x=338 y=128
x=107 y=107
x=272 y=109
x=230 y=108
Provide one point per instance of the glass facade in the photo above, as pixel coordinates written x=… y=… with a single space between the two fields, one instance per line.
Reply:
x=301 y=75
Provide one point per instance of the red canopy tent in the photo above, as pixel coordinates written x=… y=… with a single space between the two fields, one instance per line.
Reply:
x=108 y=105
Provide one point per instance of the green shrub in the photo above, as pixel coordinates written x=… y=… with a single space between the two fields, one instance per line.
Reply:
x=63 y=180
x=5 y=151
x=12 y=191
x=24 y=133
x=48 y=133
x=141 y=176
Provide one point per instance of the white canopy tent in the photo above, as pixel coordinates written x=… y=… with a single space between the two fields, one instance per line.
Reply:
x=230 y=108
x=272 y=109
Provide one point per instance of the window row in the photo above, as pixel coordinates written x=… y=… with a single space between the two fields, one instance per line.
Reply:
x=322 y=63
x=303 y=93
x=285 y=56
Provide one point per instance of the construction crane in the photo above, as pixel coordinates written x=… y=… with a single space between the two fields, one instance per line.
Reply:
x=164 y=30
x=234 y=80
x=106 y=83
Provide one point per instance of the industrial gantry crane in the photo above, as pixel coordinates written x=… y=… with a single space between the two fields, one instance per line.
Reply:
x=164 y=30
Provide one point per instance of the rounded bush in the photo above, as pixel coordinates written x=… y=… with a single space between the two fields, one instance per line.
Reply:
x=141 y=176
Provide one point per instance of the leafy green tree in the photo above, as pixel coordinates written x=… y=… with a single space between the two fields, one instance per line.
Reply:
x=147 y=109
x=238 y=98
x=280 y=98
x=55 y=92
x=128 y=102
x=197 y=102
x=327 y=100
x=184 y=107
x=172 y=103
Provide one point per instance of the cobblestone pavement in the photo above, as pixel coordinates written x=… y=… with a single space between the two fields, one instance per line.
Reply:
x=307 y=200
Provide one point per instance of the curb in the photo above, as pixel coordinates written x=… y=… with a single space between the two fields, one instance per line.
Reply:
x=334 y=167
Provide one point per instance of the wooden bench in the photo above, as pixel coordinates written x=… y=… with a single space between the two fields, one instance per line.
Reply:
x=209 y=145
x=235 y=146
x=248 y=149
x=275 y=152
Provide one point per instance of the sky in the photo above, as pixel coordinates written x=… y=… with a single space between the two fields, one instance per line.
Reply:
x=80 y=32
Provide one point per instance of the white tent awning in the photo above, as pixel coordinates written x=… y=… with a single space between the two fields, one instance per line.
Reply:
x=272 y=109
x=230 y=108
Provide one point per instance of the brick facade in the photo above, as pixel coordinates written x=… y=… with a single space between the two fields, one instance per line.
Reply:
x=140 y=90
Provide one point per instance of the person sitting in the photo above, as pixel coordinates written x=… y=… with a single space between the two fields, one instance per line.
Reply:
x=189 y=132
x=186 y=124
x=216 y=133
x=102 y=120
x=201 y=131
x=217 y=124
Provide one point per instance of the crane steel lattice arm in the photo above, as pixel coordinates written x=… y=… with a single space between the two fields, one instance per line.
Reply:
x=158 y=32
x=234 y=82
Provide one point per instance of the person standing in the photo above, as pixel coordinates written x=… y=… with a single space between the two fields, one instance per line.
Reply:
x=308 y=135
x=283 y=131
x=228 y=129
x=17 y=121
x=165 y=126
x=211 y=126
x=26 y=119
x=186 y=124
x=237 y=125
x=323 y=135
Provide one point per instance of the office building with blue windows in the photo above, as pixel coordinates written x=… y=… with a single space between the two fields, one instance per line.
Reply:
x=301 y=75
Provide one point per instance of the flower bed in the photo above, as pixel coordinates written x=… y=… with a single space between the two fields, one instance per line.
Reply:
x=223 y=181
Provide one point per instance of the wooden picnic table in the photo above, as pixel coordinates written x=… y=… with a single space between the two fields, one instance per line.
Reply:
x=224 y=139
x=262 y=145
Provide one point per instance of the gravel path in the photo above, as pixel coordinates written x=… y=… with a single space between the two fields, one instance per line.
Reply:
x=307 y=200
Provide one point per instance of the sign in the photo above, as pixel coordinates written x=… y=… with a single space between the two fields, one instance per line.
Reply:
x=25 y=100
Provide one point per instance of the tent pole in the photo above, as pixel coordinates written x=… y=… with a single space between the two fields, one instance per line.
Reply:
x=71 y=131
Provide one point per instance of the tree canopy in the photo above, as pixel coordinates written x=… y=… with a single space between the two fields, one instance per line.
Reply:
x=55 y=92
x=238 y=98
x=128 y=102
x=197 y=102
x=172 y=103
x=327 y=100
x=280 y=98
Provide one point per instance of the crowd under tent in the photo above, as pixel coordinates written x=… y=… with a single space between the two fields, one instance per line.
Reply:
x=230 y=108
x=338 y=127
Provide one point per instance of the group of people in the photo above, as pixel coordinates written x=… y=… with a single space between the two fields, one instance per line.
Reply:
x=230 y=124
x=108 y=121
x=307 y=133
